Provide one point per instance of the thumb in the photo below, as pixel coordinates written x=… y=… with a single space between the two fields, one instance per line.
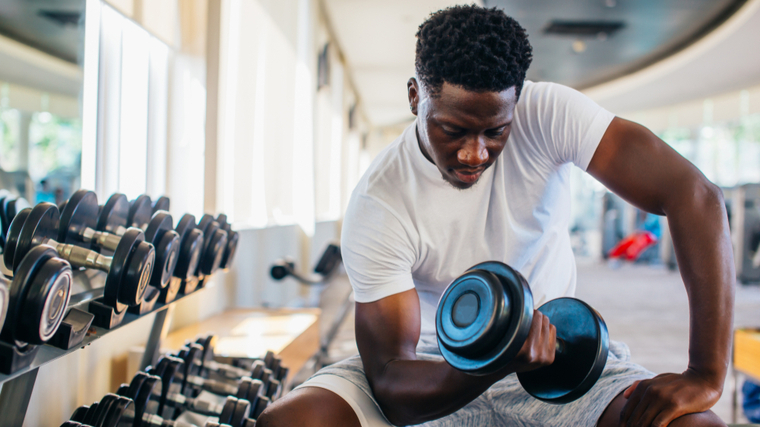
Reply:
x=627 y=393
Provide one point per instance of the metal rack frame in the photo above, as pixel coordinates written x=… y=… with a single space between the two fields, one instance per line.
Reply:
x=17 y=388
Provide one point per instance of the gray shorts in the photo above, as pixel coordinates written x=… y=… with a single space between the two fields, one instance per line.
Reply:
x=504 y=404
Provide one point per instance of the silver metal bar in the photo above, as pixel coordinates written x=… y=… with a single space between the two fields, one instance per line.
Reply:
x=14 y=398
x=157 y=334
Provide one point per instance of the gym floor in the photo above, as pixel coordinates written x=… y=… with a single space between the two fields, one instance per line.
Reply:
x=644 y=306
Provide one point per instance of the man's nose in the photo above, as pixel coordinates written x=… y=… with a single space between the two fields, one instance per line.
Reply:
x=474 y=153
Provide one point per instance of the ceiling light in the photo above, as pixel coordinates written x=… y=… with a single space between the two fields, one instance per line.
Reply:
x=579 y=46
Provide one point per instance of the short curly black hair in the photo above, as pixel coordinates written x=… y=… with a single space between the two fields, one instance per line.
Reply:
x=478 y=48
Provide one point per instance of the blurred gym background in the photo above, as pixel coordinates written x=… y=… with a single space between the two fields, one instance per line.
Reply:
x=270 y=110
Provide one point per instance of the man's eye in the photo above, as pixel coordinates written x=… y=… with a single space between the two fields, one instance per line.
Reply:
x=450 y=132
x=496 y=132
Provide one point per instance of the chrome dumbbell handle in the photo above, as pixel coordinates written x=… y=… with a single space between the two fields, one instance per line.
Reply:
x=81 y=257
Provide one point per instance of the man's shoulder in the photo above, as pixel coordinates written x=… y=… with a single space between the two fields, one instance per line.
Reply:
x=389 y=171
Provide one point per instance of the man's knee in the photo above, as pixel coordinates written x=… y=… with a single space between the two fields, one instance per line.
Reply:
x=309 y=407
x=706 y=419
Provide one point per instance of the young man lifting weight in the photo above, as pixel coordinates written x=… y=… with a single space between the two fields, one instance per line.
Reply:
x=483 y=174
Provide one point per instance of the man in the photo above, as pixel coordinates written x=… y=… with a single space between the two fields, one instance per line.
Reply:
x=483 y=174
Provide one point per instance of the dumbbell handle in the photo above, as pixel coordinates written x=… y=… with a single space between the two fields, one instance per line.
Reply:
x=212 y=386
x=81 y=257
x=559 y=346
x=225 y=370
x=102 y=239
x=202 y=407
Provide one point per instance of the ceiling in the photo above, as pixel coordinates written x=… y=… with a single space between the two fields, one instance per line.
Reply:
x=41 y=43
x=378 y=40
x=52 y=26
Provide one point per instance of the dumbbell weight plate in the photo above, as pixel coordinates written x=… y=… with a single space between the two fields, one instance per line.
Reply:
x=114 y=214
x=11 y=207
x=229 y=252
x=129 y=275
x=4 y=296
x=117 y=415
x=140 y=211
x=585 y=346
x=91 y=414
x=228 y=410
x=47 y=296
x=208 y=343
x=81 y=212
x=40 y=225
x=221 y=219
x=138 y=273
x=160 y=232
x=191 y=247
x=213 y=253
x=161 y=204
x=14 y=232
x=79 y=414
x=483 y=318
x=71 y=424
x=242 y=411
x=26 y=292
x=100 y=413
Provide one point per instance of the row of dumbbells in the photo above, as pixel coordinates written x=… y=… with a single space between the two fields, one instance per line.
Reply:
x=135 y=243
x=170 y=390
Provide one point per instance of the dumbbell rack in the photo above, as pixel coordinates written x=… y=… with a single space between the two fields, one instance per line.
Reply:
x=17 y=387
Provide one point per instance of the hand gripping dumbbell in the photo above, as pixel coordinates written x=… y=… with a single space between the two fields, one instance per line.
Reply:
x=232 y=241
x=147 y=390
x=483 y=320
x=129 y=269
x=173 y=401
x=257 y=367
x=193 y=383
x=79 y=221
x=36 y=297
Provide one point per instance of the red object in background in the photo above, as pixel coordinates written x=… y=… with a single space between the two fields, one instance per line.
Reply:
x=634 y=245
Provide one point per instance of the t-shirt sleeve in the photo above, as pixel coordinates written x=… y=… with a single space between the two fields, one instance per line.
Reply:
x=568 y=124
x=377 y=252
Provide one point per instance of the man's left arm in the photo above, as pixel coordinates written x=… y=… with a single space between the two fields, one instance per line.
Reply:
x=637 y=165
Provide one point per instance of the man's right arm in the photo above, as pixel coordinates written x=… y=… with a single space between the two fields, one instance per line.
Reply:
x=412 y=391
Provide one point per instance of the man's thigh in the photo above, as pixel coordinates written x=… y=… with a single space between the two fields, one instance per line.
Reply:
x=309 y=407
x=611 y=417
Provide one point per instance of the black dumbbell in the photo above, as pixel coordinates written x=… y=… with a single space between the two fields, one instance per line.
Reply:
x=243 y=367
x=129 y=269
x=147 y=390
x=232 y=241
x=214 y=242
x=484 y=318
x=80 y=219
x=191 y=248
x=37 y=297
x=4 y=283
x=172 y=400
x=161 y=204
x=193 y=383
x=9 y=207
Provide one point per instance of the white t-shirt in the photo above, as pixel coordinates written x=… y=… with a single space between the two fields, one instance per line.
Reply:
x=407 y=228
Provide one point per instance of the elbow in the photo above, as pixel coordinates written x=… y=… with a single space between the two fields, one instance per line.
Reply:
x=397 y=410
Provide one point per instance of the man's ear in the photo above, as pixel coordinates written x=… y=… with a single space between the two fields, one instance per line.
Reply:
x=413 y=92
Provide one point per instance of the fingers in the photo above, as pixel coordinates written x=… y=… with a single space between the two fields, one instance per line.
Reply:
x=538 y=350
x=634 y=399
x=629 y=390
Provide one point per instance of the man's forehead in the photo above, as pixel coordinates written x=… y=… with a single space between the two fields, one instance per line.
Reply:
x=455 y=103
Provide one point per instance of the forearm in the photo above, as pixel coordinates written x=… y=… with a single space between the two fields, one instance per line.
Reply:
x=702 y=241
x=415 y=391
